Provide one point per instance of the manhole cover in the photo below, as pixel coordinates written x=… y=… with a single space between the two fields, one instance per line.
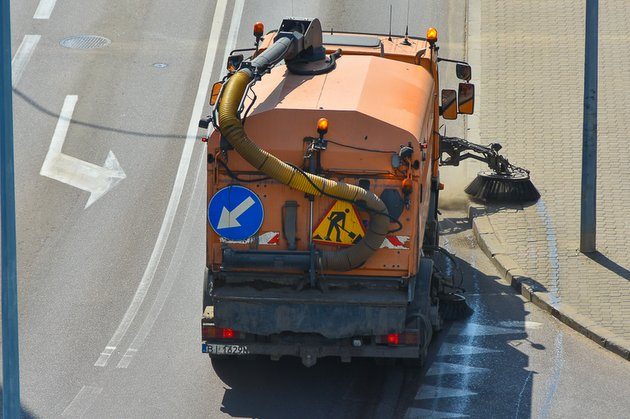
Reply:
x=85 y=42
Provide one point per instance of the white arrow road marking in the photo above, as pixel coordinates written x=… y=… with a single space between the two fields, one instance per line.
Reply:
x=86 y=176
x=473 y=329
x=229 y=219
x=415 y=413
x=434 y=392
x=453 y=349
x=443 y=368
x=23 y=56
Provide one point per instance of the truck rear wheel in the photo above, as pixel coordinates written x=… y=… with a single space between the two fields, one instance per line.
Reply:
x=419 y=311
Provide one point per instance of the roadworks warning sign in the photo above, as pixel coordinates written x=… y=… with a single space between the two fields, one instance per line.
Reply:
x=341 y=226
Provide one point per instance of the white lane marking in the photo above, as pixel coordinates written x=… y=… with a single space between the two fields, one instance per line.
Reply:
x=527 y=324
x=176 y=193
x=82 y=401
x=75 y=172
x=474 y=329
x=435 y=392
x=443 y=368
x=44 y=9
x=23 y=56
x=165 y=287
x=454 y=349
x=229 y=219
x=415 y=413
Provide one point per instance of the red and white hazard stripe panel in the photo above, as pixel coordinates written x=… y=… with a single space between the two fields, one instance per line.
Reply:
x=395 y=242
x=270 y=238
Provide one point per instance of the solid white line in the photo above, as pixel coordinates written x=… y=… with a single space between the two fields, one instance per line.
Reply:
x=166 y=286
x=23 y=56
x=82 y=401
x=178 y=186
x=44 y=9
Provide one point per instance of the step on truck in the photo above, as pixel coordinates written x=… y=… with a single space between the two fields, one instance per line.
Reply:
x=323 y=185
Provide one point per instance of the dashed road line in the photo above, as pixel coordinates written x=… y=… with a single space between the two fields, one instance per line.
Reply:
x=474 y=329
x=455 y=349
x=178 y=187
x=44 y=9
x=443 y=368
x=23 y=56
x=82 y=401
x=436 y=392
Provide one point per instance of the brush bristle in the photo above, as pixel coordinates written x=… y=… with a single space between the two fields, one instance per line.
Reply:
x=491 y=187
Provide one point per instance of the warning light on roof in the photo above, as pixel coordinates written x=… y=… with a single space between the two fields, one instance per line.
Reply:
x=322 y=126
x=259 y=29
x=432 y=35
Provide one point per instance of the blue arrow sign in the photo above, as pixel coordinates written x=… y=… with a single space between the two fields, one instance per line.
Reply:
x=235 y=213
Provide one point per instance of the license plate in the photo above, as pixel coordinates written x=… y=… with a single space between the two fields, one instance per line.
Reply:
x=219 y=349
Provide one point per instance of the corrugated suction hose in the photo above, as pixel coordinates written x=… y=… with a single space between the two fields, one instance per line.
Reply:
x=232 y=130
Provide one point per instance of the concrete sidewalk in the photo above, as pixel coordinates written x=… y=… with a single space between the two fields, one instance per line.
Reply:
x=531 y=87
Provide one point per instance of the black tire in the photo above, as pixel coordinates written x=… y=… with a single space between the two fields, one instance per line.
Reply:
x=419 y=311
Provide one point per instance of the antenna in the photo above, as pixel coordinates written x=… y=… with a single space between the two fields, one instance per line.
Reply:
x=389 y=38
x=406 y=41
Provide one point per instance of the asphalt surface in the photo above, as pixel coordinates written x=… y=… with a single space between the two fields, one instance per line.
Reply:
x=123 y=277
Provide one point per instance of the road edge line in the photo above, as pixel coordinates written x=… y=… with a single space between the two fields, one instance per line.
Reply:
x=178 y=186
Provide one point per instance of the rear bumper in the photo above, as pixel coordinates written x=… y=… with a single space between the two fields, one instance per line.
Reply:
x=334 y=314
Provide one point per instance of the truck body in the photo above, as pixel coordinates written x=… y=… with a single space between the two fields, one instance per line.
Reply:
x=366 y=114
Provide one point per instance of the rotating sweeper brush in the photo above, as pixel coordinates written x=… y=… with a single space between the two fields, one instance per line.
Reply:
x=503 y=183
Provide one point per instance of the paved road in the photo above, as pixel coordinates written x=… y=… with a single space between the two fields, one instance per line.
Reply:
x=110 y=295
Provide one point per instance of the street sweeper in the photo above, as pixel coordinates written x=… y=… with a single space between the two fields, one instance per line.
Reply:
x=323 y=185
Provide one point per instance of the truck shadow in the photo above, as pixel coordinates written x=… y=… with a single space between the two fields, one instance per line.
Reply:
x=262 y=388
x=476 y=367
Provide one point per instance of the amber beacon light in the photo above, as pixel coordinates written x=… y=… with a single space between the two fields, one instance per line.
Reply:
x=432 y=35
x=322 y=126
x=259 y=29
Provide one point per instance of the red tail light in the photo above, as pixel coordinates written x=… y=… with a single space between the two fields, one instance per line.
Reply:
x=212 y=332
x=409 y=337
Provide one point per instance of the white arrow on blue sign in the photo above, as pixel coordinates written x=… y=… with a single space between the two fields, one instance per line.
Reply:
x=235 y=213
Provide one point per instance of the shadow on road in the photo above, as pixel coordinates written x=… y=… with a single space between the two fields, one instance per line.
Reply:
x=26 y=414
x=262 y=388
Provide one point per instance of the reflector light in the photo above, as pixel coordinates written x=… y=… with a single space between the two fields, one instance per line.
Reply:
x=259 y=29
x=227 y=333
x=392 y=339
x=432 y=35
x=322 y=126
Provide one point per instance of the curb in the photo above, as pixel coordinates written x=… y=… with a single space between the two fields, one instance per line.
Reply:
x=489 y=242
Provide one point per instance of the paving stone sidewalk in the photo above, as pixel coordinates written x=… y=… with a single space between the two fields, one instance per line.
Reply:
x=532 y=61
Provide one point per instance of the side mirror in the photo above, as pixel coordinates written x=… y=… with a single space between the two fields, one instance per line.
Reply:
x=234 y=62
x=449 y=104
x=463 y=71
x=466 y=98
